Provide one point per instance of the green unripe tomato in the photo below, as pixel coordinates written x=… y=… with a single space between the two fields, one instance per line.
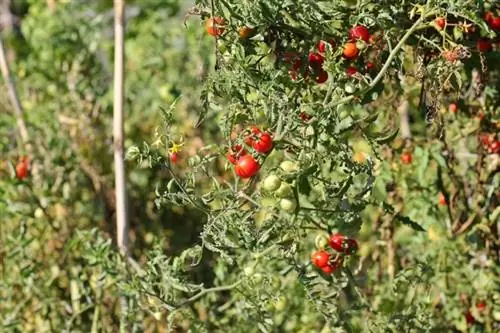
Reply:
x=258 y=277
x=249 y=270
x=275 y=283
x=288 y=205
x=361 y=45
x=321 y=241
x=285 y=190
x=271 y=183
x=349 y=88
x=280 y=303
x=289 y=166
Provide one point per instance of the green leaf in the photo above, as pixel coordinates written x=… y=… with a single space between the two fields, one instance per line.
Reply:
x=388 y=138
x=409 y=222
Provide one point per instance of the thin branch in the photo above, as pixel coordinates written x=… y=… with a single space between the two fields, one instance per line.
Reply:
x=13 y=96
x=207 y=291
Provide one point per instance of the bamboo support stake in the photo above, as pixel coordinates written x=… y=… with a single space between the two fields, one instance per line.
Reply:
x=120 y=184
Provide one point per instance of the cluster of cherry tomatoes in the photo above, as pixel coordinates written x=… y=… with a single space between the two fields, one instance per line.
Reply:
x=359 y=38
x=245 y=164
x=328 y=263
x=282 y=189
x=490 y=144
x=482 y=44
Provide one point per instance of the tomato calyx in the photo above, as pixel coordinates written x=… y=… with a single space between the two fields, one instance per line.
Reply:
x=235 y=152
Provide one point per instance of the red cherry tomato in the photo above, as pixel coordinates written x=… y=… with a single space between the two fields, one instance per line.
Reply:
x=320 y=258
x=481 y=306
x=246 y=166
x=321 y=76
x=406 y=158
x=322 y=46
x=173 y=157
x=304 y=116
x=495 y=23
x=22 y=169
x=370 y=65
x=350 y=51
x=263 y=143
x=332 y=267
x=469 y=318
x=488 y=17
x=483 y=45
x=235 y=153
x=440 y=23
x=453 y=107
x=351 y=70
x=215 y=26
x=359 y=32
x=442 y=199
x=494 y=147
x=316 y=59
x=340 y=243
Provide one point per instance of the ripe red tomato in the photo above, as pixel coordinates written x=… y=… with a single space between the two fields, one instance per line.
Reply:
x=215 y=26
x=469 y=318
x=483 y=45
x=328 y=269
x=235 y=153
x=322 y=46
x=440 y=23
x=370 y=65
x=494 y=147
x=350 y=51
x=173 y=157
x=341 y=243
x=495 y=23
x=453 y=107
x=481 y=306
x=22 y=169
x=332 y=267
x=442 y=199
x=351 y=70
x=488 y=17
x=406 y=158
x=316 y=59
x=320 y=258
x=359 y=32
x=304 y=116
x=246 y=166
x=262 y=143
x=321 y=76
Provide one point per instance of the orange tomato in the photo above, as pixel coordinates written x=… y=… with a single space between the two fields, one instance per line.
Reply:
x=215 y=26
x=350 y=50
